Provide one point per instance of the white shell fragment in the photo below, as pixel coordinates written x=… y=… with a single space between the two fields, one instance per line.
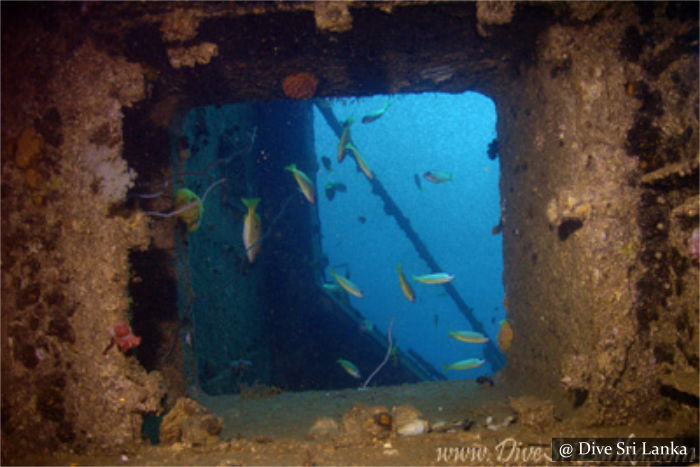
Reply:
x=497 y=426
x=414 y=427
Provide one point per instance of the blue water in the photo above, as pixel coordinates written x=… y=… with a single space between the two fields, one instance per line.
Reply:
x=418 y=133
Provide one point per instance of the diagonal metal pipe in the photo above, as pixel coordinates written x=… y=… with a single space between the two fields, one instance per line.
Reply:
x=491 y=352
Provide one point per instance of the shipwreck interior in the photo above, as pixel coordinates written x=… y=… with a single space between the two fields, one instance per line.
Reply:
x=109 y=108
x=242 y=322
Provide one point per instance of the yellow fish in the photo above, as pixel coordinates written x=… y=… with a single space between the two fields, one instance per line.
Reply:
x=405 y=286
x=344 y=139
x=350 y=368
x=347 y=284
x=469 y=336
x=369 y=118
x=467 y=364
x=251 y=228
x=437 y=278
x=505 y=336
x=305 y=183
x=192 y=217
x=360 y=162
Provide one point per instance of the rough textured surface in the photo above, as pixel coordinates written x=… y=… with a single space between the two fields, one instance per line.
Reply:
x=598 y=132
x=332 y=16
x=576 y=231
x=568 y=208
x=534 y=413
x=65 y=266
x=190 y=424
x=200 y=54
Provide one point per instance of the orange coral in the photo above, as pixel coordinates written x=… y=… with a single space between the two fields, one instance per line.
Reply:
x=300 y=85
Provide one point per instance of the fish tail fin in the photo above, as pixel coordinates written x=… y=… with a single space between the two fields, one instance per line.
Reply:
x=251 y=203
x=399 y=268
x=414 y=277
x=291 y=167
x=445 y=368
x=449 y=176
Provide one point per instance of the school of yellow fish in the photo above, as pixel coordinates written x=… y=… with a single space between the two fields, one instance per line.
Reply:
x=505 y=333
x=252 y=231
